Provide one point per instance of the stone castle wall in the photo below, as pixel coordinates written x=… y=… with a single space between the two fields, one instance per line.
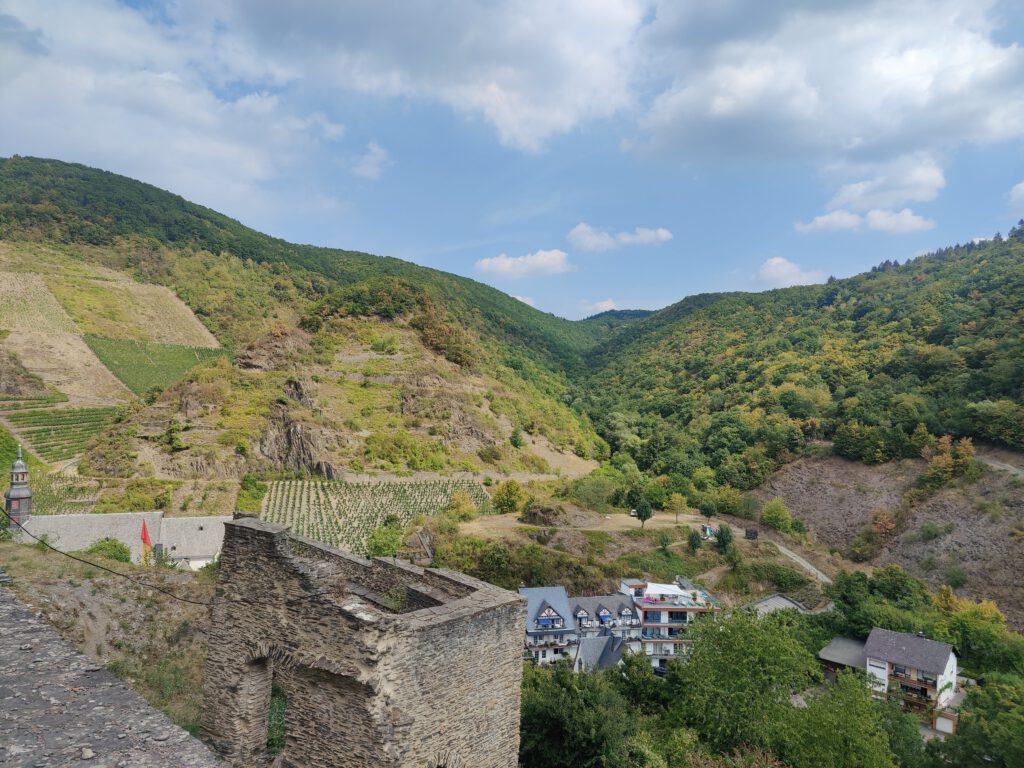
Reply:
x=383 y=664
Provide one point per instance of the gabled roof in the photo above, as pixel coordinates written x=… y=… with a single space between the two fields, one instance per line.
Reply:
x=539 y=598
x=601 y=652
x=907 y=650
x=845 y=651
x=593 y=605
x=777 y=602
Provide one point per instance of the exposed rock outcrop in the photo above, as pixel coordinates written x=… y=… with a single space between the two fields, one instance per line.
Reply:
x=292 y=444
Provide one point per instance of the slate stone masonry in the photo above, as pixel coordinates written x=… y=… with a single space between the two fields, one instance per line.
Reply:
x=383 y=664
x=58 y=708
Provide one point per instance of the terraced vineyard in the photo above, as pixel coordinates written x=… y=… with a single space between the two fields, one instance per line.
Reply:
x=144 y=365
x=60 y=433
x=343 y=514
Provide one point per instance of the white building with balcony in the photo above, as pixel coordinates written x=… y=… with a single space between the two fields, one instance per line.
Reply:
x=666 y=612
x=550 y=625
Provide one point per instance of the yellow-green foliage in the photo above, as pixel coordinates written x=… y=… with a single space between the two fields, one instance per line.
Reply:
x=142 y=366
x=138 y=495
x=401 y=449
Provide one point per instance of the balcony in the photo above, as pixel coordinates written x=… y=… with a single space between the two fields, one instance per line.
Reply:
x=919 y=682
x=673 y=621
x=657 y=634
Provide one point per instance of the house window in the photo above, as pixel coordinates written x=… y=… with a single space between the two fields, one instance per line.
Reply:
x=900 y=670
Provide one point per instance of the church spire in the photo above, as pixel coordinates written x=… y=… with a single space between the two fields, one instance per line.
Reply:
x=18 y=498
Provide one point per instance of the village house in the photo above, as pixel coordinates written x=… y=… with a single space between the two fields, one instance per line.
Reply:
x=666 y=612
x=551 y=632
x=643 y=617
x=614 y=615
x=921 y=671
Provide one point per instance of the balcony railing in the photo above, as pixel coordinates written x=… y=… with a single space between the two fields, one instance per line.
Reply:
x=662 y=622
x=918 y=681
x=654 y=634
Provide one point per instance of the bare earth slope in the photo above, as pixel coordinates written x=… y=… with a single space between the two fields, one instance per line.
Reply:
x=977 y=528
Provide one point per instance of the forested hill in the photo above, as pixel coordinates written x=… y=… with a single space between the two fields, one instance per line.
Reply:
x=733 y=382
x=74 y=204
x=736 y=381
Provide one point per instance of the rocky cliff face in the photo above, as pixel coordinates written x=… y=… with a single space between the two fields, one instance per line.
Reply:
x=296 y=445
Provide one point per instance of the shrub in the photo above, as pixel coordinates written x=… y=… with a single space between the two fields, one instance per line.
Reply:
x=693 y=540
x=508 y=497
x=931 y=530
x=112 y=549
x=776 y=515
x=956 y=576
x=750 y=507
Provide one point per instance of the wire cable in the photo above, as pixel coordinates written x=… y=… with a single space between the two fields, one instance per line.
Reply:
x=129 y=577
x=140 y=583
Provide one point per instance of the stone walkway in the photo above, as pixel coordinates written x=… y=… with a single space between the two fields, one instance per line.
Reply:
x=58 y=708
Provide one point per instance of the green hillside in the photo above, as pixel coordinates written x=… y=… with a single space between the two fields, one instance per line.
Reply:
x=69 y=203
x=734 y=383
x=737 y=381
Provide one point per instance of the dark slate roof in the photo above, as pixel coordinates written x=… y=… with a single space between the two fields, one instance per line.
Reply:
x=907 y=650
x=845 y=651
x=777 y=602
x=593 y=605
x=601 y=652
x=539 y=598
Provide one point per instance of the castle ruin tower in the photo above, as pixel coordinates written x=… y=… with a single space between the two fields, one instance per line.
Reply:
x=18 y=498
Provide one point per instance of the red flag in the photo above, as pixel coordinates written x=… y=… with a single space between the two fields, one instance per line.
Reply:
x=147 y=545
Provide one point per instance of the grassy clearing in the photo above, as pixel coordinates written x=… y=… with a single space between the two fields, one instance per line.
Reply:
x=112 y=306
x=142 y=366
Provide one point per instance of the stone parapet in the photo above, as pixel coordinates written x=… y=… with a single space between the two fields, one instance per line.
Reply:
x=382 y=663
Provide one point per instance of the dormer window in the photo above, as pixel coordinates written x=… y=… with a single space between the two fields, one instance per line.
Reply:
x=550 y=619
x=605 y=615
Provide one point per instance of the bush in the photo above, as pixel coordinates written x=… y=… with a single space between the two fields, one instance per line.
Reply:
x=112 y=549
x=956 y=576
x=508 y=497
x=931 y=530
x=750 y=508
x=776 y=515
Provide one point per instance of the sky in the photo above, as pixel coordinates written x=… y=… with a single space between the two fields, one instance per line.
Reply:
x=580 y=155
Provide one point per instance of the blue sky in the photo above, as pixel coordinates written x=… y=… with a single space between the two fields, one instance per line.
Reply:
x=582 y=155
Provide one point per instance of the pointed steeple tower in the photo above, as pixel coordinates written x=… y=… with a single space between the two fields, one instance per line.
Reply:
x=18 y=498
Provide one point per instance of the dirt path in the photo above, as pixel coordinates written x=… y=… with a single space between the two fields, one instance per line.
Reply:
x=996 y=464
x=505 y=527
x=802 y=563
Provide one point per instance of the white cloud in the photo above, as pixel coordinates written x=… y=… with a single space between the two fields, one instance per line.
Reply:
x=1017 y=199
x=878 y=219
x=778 y=272
x=526 y=300
x=108 y=87
x=867 y=78
x=531 y=72
x=834 y=220
x=908 y=179
x=542 y=262
x=586 y=238
x=604 y=306
x=897 y=222
x=371 y=164
x=875 y=93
